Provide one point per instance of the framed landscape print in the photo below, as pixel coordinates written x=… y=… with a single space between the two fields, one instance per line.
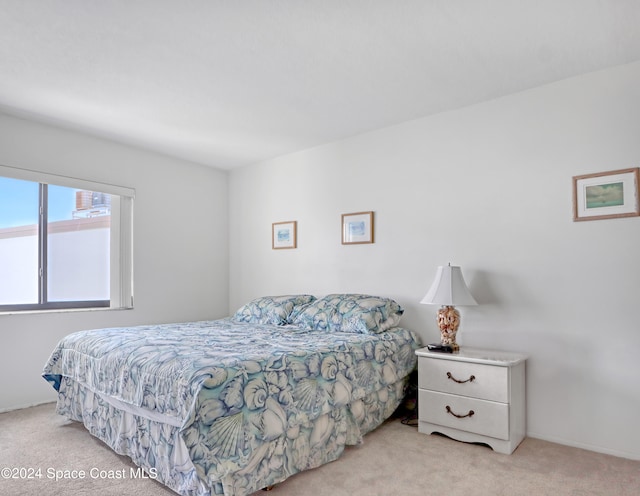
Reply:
x=357 y=228
x=283 y=235
x=606 y=195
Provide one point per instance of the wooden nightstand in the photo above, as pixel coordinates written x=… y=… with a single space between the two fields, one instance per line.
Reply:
x=473 y=395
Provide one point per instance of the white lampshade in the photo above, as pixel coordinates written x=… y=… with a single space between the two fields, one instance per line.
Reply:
x=449 y=288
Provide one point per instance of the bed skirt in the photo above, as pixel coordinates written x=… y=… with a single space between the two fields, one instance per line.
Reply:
x=177 y=457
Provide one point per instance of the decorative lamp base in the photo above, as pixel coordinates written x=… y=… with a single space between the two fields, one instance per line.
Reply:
x=448 y=322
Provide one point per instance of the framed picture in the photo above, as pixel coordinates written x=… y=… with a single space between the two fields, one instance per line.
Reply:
x=357 y=228
x=606 y=195
x=283 y=235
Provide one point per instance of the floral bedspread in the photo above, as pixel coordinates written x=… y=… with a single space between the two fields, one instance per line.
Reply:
x=237 y=391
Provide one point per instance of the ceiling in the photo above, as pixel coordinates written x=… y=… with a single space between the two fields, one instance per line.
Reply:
x=227 y=83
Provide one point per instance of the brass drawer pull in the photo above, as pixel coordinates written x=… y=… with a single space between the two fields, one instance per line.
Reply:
x=470 y=414
x=470 y=379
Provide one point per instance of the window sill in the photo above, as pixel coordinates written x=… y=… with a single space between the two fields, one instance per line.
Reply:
x=63 y=310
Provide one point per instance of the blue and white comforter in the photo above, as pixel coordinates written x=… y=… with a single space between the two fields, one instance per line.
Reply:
x=237 y=393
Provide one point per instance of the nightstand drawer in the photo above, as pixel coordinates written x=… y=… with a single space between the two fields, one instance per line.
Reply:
x=489 y=418
x=475 y=380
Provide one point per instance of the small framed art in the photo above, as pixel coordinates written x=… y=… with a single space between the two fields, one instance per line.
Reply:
x=283 y=235
x=357 y=228
x=606 y=195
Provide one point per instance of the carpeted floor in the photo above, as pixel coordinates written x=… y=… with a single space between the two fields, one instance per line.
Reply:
x=394 y=460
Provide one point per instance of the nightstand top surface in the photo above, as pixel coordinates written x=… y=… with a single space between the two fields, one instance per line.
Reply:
x=476 y=355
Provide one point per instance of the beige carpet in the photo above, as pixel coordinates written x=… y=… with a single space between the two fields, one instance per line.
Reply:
x=394 y=460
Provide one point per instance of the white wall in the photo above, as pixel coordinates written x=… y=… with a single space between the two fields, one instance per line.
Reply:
x=180 y=245
x=489 y=188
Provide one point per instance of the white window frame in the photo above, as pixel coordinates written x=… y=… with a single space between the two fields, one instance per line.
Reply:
x=121 y=235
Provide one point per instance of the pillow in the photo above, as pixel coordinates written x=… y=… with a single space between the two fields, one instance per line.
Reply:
x=274 y=310
x=357 y=313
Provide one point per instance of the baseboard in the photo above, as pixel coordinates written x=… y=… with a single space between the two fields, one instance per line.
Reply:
x=22 y=407
x=584 y=446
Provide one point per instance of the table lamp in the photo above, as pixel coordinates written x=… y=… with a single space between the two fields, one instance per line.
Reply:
x=449 y=289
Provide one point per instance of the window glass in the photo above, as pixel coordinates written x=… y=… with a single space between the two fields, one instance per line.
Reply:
x=64 y=243
x=78 y=244
x=18 y=241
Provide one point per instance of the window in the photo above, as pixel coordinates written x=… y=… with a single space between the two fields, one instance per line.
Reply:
x=64 y=243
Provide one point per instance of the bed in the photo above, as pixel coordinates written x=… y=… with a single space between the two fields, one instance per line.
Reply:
x=235 y=405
